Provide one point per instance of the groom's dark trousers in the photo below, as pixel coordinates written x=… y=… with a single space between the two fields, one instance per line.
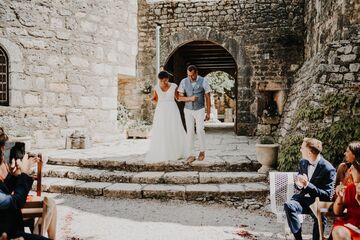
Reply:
x=321 y=185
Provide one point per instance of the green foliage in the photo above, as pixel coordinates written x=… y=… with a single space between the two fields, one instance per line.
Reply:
x=342 y=109
x=337 y=137
x=266 y=140
x=221 y=83
x=289 y=154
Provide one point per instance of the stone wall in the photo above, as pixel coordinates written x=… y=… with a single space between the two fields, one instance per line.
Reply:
x=265 y=38
x=324 y=101
x=65 y=58
x=329 y=20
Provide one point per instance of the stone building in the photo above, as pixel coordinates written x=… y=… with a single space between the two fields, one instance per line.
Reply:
x=66 y=64
x=259 y=43
x=61 y=61
x=271 y=47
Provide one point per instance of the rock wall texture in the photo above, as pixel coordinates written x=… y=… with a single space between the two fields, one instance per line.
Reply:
x=64 y=60
x=264 y=37
x=324 y=100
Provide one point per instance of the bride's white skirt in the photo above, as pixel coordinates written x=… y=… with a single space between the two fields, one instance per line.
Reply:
x=167 y=134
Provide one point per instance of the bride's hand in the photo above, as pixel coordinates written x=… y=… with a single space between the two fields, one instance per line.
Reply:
x=193 y=98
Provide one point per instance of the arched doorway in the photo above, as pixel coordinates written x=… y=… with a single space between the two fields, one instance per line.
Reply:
x=207 y=56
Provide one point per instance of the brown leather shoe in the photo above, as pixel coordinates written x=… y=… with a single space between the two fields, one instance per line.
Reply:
x=201 y=156
x=190 y=159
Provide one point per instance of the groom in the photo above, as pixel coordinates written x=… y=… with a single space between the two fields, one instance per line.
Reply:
x=195 y=85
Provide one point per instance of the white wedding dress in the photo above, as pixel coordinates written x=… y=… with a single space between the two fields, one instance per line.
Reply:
x=167 y=142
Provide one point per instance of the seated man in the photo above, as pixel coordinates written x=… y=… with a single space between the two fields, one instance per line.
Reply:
x=14 y=189
x=316 y=178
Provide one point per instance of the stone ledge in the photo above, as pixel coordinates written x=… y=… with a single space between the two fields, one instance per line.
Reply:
x=190 y=192
x=182 y=177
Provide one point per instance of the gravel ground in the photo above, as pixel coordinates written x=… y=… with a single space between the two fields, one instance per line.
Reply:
x=101 y=218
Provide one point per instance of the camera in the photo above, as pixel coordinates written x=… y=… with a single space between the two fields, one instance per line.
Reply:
x=14 y=150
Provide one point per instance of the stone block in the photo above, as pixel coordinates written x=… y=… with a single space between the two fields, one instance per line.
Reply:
x=64 y=99
x=181 y=177
x=230 y=177
x=16 y=98
x=91 y=188
x=123 y=190
x=161 y=191
x=201 y=191
x=349 y=77
x=88 y=27
x=148 y=177
x=46 y=182
x=56 y=23
x=33 y=43
x=39 y=69
x=50 y=99
x=65 y=186
x=354 y=67
x=58 y=87
x=108 y=103
x=79 y=62
x=347 y=58
x=89 y=102
x=75 y=120
x=63 y=35
x=117 y=176
x=335 y=78
x=98 y=69
x=263 y=129
x=31 y=100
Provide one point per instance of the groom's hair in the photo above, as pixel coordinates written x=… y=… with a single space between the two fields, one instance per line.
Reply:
x=192 y=68
x=163 y=74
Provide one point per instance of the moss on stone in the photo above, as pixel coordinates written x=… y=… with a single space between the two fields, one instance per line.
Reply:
x=343 y=111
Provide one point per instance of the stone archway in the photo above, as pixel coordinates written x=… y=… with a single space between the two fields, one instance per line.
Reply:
x=246 y=122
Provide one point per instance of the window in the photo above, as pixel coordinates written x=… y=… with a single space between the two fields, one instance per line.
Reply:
x=4 y=78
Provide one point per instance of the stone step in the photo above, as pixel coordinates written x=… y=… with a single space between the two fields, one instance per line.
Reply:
x=152 y=177
x=189 y=192
x=135 y=163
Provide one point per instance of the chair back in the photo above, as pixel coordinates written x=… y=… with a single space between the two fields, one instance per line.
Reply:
x=282 y=188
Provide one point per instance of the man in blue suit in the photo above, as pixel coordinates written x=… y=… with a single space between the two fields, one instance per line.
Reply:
x=316 y=178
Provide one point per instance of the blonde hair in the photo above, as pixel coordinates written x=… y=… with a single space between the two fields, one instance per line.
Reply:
x=314 y=145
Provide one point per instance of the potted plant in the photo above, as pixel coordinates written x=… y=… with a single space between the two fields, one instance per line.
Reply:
x=266 y=153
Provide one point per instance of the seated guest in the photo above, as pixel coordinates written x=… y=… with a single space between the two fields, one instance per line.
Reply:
x=342 y=175
x=316 y=178
x=348 y=197
x=14 y=189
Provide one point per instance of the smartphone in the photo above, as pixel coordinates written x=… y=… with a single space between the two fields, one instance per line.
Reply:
x=14 y=150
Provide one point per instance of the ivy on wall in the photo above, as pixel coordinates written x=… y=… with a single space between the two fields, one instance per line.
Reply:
x=335 y=120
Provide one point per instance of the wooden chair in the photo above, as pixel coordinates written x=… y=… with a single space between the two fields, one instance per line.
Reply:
x=38 y=211
x=320 y=209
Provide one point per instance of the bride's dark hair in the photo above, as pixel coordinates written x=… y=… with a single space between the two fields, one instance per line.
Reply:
x=163 y=74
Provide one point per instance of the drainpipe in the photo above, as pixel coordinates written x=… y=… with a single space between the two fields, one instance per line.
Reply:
x=158 y=27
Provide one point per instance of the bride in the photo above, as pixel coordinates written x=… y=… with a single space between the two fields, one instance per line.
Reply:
x=167 y=141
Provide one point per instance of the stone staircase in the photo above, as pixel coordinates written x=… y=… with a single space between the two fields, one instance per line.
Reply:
x=232 y=179
x=229 y=172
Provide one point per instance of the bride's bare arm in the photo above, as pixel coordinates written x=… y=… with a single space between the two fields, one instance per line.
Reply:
x=155 y=97
x=181 y=98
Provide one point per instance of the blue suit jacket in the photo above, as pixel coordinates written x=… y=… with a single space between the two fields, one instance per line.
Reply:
x=322 y=181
